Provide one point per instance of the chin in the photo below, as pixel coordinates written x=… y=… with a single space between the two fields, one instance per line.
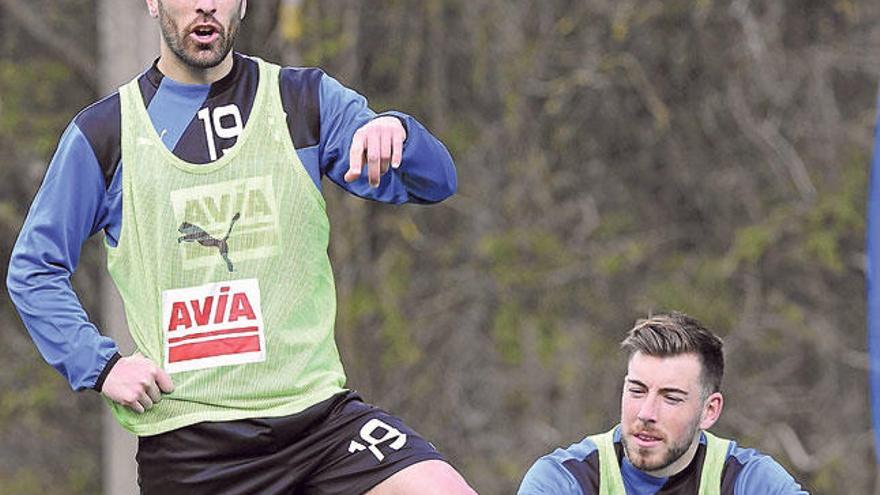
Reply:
x=206 y=62
x=203 y=59
x=650 y=465
x=647 y=460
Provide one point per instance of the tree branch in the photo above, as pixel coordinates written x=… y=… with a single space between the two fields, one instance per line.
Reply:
x=65 y=47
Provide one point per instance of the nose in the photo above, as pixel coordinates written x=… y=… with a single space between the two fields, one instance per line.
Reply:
x=208 y=7
x=648 y=409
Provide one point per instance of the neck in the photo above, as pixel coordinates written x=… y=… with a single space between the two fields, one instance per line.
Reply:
x=176 y=69
x=679 y=464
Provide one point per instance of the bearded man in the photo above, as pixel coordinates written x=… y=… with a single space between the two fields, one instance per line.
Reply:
x=671 y=396
x=236 y=386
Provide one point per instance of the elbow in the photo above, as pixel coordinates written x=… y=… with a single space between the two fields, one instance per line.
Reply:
x=437 y=193
x=449 y=185
x=444 y=185
x=452 y=181
x=14 y=282
x=447 y=189
x=20 y=276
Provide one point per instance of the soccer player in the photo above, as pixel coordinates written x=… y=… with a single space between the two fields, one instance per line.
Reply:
x=671 y=396
x=204 y=173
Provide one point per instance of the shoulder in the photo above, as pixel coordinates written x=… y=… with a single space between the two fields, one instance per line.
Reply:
x=751 y=471
x=100 y=124
x=291 y=78
x=301 y=98
x=93 y=115
x=303 y=83
x=301 y=86
x=301 y=78
x=103 y=119
x=564 y=471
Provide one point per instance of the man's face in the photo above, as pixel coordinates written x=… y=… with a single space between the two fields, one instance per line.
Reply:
x=200 y=32
x=663 y=409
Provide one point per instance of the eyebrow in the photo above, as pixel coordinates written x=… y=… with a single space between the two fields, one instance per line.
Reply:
x=662 y=390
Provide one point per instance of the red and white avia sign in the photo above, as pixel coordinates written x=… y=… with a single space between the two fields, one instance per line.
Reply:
x=216 y=324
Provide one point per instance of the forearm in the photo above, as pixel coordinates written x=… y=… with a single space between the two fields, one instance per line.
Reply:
x=67 y=210
x=426 y=173
x=56 y=321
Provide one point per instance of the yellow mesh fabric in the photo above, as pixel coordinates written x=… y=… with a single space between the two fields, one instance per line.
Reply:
x=258 y=204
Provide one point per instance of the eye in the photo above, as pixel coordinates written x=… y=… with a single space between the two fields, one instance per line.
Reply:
x=636 y=392
x=673 y=400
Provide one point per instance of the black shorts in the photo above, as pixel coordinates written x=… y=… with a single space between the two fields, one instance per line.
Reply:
x=339 y=446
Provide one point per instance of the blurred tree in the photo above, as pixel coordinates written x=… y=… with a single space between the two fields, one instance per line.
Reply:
x=42 y=84
x=615 y=158
x=127 y=42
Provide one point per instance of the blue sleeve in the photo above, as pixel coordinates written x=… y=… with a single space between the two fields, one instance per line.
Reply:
x=761 y=474
x=68 y=209
x=548 y=477
x=426 y=174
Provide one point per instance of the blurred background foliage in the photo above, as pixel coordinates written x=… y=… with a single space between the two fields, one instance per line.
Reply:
x=614 y=158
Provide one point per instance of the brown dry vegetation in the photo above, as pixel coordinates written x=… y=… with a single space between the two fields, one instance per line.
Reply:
x=614 y=157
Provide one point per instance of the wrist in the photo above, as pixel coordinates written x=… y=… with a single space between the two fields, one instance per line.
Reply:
x=99 y=383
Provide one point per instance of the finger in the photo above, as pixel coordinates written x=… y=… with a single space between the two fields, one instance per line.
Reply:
x=136 y=407
x=164 y=381
x=154 y=393
x=396 y=149
x=373 y=149
x=355 y=158
x=145 y=401
x=384 y=152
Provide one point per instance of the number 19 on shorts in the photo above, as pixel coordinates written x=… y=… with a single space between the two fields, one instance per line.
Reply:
x=375 y=433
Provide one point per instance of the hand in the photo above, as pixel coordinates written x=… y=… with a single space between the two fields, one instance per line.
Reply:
x=381 y=142
x=137 y=383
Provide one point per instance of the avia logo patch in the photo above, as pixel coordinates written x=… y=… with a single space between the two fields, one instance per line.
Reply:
x=211 y=325
x=194 y=233
x=238 y=216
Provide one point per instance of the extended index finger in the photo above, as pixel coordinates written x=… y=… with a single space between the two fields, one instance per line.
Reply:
x=355 y=158
x=374 y=156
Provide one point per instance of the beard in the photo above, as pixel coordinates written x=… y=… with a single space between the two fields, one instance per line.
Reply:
x=642 y=458
x=193 y=53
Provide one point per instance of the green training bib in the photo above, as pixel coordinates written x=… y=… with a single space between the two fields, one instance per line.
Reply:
x=611 y=480
x=224 y=272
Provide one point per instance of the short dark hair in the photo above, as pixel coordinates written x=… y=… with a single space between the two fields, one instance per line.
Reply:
x=671 y=334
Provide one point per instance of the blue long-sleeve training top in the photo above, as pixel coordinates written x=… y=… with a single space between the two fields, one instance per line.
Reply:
x=575 y=471
x=81 y=192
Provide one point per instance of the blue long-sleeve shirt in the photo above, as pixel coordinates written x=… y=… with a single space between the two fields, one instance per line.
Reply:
x=575 y=471
x=81 y=192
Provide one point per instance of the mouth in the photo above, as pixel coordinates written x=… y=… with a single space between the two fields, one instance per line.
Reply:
x=646 y=439
x=205 y=34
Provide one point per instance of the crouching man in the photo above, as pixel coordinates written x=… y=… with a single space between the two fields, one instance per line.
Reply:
x=671 y=396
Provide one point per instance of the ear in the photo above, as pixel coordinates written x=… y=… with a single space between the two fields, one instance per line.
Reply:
x=153 y=8
x=243 y=8
x=711 y=410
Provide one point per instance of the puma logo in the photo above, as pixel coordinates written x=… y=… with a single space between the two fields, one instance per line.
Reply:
x=194 y=233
